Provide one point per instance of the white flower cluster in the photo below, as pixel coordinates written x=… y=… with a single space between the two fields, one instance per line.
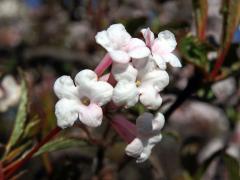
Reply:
x=140 y=71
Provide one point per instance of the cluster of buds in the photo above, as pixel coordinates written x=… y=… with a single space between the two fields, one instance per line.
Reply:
x=138 y=75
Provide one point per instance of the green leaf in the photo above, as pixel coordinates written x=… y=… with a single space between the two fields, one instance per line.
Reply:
x=20 y=118
x=61 y=143
x=232 y=166
x=195 y=52
x=31 y=128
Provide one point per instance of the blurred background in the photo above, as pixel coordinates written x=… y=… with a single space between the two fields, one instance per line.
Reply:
x=41 y=40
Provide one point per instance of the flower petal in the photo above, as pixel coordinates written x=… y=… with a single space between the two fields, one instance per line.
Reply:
x=172 y=59
x=103 y=39
x=158 y=79
x=148 y=148
x=135 y=148
x=159 y=61
x=148 y=36
x=91 y=115
x=167 y=41
x=66 y=112
x=125 y=93
x=137 y=48
x=150 y=98
x=101 y=93
x=149 y=125
x=119 y=56
x=118 y=35
x=124 y=71
x=97 y=91
x=65 y=88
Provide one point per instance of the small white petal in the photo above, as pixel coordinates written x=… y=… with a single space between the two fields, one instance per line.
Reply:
x=65 y=88
x=125 y=93
x=103 y=39
x=118 y=35
x=119 y=56
x=101 y=93
x=158 y=79
x=140 y=52
x=66 y=111
x=149 y=125
x=167 y=40
x=150 y=98
x=91 y=115
x=135 y=148
x=97 y=91
x=148 y=148
x=159 y=61
x=124 y=71
x=137 y=49
x=85 y=76
x=172 y=59
x=148 y=36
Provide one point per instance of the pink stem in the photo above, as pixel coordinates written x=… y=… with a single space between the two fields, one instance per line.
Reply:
x=103 y=65
x=1 y=172
x=124 y=128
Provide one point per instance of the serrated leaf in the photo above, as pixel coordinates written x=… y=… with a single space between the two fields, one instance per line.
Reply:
x=61 y=143
x=232 y=166
x=20 y=118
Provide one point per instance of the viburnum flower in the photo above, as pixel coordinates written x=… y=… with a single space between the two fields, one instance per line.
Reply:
x=120 y=45
x=10 y=93
x=148 y=135
x=162 y=48
x=82 y=101
x=139 y=81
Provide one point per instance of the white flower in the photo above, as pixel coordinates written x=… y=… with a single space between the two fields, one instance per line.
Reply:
x=9 y=94
x=162 y=48
x=83 y=100
x=144 y=82
x=120 y=45
x=148 y=135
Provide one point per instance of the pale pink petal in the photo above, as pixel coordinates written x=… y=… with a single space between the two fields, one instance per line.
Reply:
x=164 y=44
x=158 y=79
x=172 y=59
x=150 y=98
x=149 y=125
x=125 y=93
x=100 y=93
x=159 y=61
x=148 y=36
x=103 y=39
x=66 y=112
x=137 y=48
x=118 y=35
x=65 y=88
x=119 y=56
x=135 y=148
x=124 y=71
x=91 y=115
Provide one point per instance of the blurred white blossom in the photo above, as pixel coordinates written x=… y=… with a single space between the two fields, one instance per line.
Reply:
x=10 y=93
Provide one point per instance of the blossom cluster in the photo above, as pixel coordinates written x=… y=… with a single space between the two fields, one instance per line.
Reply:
x=138 y=70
